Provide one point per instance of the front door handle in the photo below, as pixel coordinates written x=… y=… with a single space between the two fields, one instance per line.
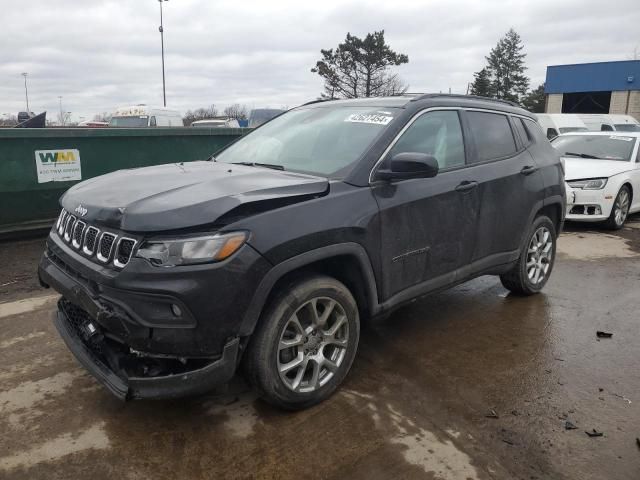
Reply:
x=528 y=170
x=466 y=186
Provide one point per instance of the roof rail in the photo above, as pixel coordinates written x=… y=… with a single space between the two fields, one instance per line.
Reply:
x=319 y=100
x=457 y=95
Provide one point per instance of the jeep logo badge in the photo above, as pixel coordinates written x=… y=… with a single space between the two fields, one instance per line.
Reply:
x=80 y=210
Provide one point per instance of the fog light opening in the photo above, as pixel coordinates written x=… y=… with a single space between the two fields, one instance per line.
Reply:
x=175 y=309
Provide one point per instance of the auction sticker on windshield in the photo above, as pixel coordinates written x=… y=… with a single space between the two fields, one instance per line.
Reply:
x=58 y=165
x=373 y=118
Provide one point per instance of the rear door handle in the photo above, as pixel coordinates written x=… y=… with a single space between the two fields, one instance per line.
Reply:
x=528 y=170
x=466 y=186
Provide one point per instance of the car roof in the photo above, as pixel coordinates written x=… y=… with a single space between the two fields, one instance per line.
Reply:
x=427 y=100
x=603 y=134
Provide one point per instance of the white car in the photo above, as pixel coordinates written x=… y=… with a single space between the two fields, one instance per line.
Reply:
x=602 y=174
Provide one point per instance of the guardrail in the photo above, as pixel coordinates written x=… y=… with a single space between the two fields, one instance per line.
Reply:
x=38 y=165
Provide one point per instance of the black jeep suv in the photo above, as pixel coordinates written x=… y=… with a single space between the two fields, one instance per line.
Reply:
x=269 y=254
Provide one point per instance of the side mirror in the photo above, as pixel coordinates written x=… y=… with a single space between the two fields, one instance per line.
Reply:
x=406 y=165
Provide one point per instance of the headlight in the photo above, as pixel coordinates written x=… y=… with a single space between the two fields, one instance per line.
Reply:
x=192 y=250
x=590 y=184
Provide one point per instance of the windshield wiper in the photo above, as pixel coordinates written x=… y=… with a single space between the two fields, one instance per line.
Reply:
x=582 y=155
x=265 y=165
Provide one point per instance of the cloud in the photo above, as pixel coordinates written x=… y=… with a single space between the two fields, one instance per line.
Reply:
x=98 y=55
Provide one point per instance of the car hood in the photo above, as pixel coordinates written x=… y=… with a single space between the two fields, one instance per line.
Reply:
x=580 y=168
x=176 y=196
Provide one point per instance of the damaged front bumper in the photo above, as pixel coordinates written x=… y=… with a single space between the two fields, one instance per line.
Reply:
x=133 y=375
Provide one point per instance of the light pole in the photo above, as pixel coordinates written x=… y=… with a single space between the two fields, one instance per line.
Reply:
x=26 y=92
x=164 y=93
x=61 y=114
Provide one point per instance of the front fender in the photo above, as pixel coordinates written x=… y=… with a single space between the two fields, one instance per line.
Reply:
x=352 y=249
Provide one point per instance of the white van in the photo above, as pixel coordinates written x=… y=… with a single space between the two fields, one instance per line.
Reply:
x=554 y=124
x=597 y=122
x=144 y=116
x=222 y=122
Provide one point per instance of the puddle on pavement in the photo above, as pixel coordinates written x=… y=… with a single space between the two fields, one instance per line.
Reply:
x=90 y=439
x=420 y=447
x=594 y=246
x=240 y=416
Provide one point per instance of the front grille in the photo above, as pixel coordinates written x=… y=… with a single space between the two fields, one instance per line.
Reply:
x=63 y=222
x=123 y=251
x=71 y=221
x=78 y=232
x=90 y=240
x=78 y=320
x=105 y=247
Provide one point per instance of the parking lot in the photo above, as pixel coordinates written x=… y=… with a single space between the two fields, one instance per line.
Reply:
x=469 y=383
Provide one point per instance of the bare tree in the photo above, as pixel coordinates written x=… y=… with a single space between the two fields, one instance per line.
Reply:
x=102 y=117
x=199 y=114
x=8 y=120
x=237 y=111
x=63 y=118
x=386 y=85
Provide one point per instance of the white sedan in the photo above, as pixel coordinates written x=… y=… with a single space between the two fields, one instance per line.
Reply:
x=602 y=174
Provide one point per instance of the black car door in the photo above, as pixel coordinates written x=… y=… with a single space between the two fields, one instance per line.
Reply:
x=428 y=225
x=509 y=182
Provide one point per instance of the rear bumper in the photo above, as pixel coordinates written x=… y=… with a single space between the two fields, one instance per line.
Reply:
x=107 y=364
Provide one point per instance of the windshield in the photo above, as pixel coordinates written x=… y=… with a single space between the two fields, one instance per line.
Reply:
x=259 y=116
x=572 y=129
x=140 y=121
x=322 y=140
x=599 y=147
x=627 y=127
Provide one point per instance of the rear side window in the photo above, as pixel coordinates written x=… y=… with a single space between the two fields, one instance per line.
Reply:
x=492 y=134
x=535 y=131
x=435 y=133
x=522 y=131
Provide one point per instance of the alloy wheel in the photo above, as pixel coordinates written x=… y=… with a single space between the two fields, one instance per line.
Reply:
x=313 y=345
x=621 y=207
x=539 y=255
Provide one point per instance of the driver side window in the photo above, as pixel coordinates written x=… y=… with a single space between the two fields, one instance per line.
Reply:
x=435 y=133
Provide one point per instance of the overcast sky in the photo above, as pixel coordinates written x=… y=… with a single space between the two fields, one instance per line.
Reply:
x=101 y=54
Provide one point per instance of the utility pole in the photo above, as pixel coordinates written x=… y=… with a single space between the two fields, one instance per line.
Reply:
x=164 y=92
x=26 y=92
x=61 y=113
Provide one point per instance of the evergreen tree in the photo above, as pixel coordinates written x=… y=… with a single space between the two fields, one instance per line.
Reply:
x=506 y=64
x=535 y=100
x=481 y=85
x=360 y=68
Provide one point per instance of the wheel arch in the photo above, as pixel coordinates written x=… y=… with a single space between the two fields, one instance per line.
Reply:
x=628 y=184
x=346 y=262
x=555 y=212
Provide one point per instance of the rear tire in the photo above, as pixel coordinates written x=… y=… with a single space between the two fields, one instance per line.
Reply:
x=533 y=268
x=304 y=344
x=619 y=210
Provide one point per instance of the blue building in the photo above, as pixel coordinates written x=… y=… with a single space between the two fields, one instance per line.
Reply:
x=603 y=87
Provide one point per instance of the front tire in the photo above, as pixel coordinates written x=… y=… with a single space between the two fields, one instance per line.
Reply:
x=533 y=268
x=619 y=210
x=305 y=343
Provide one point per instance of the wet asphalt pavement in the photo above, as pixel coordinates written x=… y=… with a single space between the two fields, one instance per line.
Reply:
x=418 y=402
